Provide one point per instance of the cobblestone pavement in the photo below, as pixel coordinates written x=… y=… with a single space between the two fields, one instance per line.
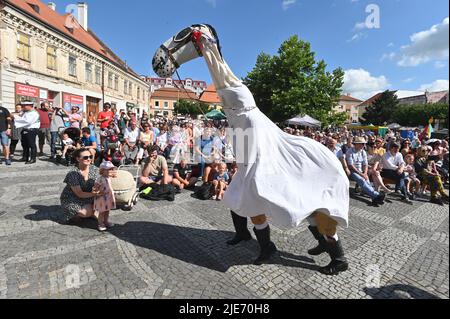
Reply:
x=177 y=250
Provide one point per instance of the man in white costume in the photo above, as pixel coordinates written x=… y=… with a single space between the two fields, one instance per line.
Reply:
x=282 y=177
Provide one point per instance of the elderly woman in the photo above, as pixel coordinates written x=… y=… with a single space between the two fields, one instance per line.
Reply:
x=77 y=198
x=429 y=176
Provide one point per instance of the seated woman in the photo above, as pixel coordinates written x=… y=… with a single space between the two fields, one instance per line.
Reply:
x=428 y=175
x=374 y=161
x=77 y=198
x=210 y=171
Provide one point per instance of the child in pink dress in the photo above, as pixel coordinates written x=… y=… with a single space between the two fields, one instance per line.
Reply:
x=104 y=204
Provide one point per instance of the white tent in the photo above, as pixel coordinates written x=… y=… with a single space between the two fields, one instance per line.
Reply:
x=304 y=121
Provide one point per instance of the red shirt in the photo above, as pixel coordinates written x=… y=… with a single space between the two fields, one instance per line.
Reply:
x=45 y=118
x=105 y=115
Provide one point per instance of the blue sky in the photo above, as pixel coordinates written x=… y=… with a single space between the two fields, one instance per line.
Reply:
x=408 y=50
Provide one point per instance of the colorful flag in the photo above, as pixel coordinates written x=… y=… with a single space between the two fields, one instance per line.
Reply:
x=427 y=131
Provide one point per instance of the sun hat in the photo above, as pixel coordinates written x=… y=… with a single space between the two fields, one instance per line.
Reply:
x=359 y=140
x=107 y=165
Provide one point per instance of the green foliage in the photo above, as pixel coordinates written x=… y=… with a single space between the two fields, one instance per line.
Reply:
x=419 y=114
x=188 y=107
x=293 y=83
x=380 y=112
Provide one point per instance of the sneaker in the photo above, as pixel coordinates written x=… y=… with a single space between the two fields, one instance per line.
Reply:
x=102 y=228
x=8 y=162
x=214 y=197
x=406 y=200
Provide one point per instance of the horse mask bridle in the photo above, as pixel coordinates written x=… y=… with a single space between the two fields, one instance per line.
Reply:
x=183 y=47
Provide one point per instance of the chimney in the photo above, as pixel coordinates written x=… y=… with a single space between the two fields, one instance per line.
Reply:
x=83 y=14
x=52 y=6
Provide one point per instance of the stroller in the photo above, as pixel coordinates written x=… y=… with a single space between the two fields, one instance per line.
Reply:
x=125 y=186
x=75 y=135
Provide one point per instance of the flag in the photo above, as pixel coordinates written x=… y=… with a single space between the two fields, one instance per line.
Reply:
x=427 y=131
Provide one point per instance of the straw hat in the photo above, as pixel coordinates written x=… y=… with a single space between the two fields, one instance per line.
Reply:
x=359 y=140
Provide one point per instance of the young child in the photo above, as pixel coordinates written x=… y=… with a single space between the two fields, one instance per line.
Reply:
x=68 y=144
x=411 y=176
x=220 y=182
x=104 y=204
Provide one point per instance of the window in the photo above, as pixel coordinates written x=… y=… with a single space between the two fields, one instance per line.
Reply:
x=110 y=80
x=116 y=83
x=98 y=75
x=72 y=65
x=166 y=105
x=139 y=93
x=156 y=104
x=23 y=47
x=51 y=57
x=130 y=88
x=88 y=71
x=125 y=87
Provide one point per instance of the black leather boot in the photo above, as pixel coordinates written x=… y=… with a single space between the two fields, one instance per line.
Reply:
x=268 y=248
x=242 y=233
x=338 y=261
x=322 y=248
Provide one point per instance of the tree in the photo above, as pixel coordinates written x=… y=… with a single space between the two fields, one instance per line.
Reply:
x=293 y=83
x=381 y=110
x=188 y=107
x=419 y=115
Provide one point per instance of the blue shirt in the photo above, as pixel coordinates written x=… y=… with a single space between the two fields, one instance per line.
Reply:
x=358 y=159
x=89 y=141
x=156 y=133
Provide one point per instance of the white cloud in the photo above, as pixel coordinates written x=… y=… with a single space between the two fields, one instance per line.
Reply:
x=432 y=44
x=358 y=36
x=438 y=85
x=361 y=84
x=440 y=64
x=408 y=80
x=287 y=4
x=213 y=3
x=360 y=26
x=390 y=45
x=388 y=56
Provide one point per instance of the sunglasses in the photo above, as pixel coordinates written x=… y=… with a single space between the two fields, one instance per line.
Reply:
x=86 y=158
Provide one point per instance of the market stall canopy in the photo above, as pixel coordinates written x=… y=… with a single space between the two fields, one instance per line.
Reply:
x=215 y=115
x=394 y=126
x=304 y=121
x=441 y=134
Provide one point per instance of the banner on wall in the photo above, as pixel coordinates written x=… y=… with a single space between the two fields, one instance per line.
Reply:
x=71 y=100
x=27 y=90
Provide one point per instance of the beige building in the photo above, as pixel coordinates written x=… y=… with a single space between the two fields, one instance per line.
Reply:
x=48 y=56
x=163 y=101
x=349 y=105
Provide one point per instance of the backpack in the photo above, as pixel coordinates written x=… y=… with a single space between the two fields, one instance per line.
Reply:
x=204 y=192
x=160 y=192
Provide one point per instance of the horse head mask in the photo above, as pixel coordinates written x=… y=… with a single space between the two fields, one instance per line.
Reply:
x=183 y=47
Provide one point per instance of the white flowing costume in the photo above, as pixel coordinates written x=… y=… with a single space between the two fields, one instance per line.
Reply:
x=285 y=177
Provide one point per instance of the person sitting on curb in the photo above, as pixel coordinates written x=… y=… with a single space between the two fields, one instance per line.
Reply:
x=182 y=175
x=357 y=163
x=156 y=169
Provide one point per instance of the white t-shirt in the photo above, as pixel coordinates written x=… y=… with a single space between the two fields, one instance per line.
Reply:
x=392 y=162
x=132 y=135
x=68 y=142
